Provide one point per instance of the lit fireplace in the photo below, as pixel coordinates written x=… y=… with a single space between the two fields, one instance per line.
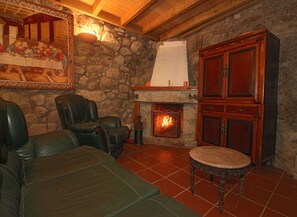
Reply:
x=167 y=120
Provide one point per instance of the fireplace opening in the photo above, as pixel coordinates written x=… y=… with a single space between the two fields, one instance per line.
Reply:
x=167 y=120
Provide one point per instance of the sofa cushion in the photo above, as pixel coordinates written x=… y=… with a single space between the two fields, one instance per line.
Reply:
x=101 y=190
x=157 y=206
x=43 y=168
x=10 y=192
x=13 y=163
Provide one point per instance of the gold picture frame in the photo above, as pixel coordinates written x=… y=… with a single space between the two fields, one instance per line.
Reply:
x=36 y=46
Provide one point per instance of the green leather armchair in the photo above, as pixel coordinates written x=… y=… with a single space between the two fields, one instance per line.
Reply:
x=80 y=115
x=14 y=136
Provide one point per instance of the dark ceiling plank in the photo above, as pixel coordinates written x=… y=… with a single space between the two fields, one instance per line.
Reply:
x=221 y=11
x=136 y=10
x=211 y=22
x=171 y=14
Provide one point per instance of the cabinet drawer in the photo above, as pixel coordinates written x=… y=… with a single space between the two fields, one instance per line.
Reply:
x=242 y=110
x=213 y=108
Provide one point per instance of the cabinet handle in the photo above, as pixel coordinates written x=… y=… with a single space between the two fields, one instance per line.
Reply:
x=225 y=70
x=224 y=129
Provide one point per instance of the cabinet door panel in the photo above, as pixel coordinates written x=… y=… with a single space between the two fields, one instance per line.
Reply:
x=242 y=73
x=213 y=76
x=240 y=135
x=211 y=129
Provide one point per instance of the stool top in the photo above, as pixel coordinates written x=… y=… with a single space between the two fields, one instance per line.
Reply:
x=220 y=157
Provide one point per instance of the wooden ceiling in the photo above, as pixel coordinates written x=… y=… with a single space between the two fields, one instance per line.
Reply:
x=159 y=19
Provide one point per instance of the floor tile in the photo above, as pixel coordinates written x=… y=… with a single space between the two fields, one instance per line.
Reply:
x=123 y=159
x=168 y=188
x=270 y=213
x=254 y=193
x=288 y=190
x=137 y=155
x=181 y=178
x=241 y=206
x=208 y=191
x=149 y=161
x=129 y=148
x=269 y=172
x=149 y=175
x=194 y=202
x=283 y=205
x=180 y=162
x=134 y=167
x=165 y=156
x=214 y=212
x=164 y=169
x=261 y=181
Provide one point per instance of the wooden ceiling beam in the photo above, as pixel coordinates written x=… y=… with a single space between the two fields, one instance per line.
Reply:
x=220 y=11
x=98 y=6
x=136 y=10
x=171 y=14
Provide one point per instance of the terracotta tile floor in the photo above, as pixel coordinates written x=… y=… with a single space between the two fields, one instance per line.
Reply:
x=267 y=193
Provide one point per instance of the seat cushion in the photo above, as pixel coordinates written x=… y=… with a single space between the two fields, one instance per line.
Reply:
x=10 y=192
x=44 y=168
x=157 y=206
x=101 y=190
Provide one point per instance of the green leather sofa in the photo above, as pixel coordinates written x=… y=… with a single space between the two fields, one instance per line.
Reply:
x=51 y=175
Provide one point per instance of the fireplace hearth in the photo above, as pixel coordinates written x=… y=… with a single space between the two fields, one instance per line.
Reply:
x=167 y=120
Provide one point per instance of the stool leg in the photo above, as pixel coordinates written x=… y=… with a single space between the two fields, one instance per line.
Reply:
x=241 y=179
x=192 y=171
x=211 y=179
x=221 y=194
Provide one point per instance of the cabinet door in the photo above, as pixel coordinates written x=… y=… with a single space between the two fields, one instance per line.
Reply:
x=212 y=76
x=241 y=135
x=243 y=73
x=210 y=129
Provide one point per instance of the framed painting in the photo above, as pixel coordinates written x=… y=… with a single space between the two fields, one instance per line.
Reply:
x=36 y=46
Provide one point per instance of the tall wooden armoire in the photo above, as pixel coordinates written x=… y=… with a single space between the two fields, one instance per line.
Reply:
x=237 y=93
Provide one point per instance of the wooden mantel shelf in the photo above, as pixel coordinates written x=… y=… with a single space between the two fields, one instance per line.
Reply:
x=158 y=88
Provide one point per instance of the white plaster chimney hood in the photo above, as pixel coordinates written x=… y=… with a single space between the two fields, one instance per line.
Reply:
x=171 y=64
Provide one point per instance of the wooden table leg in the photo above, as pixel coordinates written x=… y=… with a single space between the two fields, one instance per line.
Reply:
x=241 y=179
x=192 y=171
x=221 y=194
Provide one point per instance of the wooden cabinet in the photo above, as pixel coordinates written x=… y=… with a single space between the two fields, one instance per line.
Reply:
x=237 y=95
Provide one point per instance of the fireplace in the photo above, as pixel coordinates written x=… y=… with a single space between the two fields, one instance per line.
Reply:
x=167 y=120
x=148 y=102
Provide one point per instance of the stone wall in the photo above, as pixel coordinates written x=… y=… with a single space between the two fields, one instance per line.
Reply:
x=280 y=17
x=104 y=72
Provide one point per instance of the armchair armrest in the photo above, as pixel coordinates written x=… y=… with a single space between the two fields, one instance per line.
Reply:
x=110 y=121
x=92 y=133
x=47 y=144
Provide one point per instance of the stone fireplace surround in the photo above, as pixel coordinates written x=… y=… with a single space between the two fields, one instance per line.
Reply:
x=144 y=97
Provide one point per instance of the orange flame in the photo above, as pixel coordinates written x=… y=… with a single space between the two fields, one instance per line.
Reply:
x=167 y=121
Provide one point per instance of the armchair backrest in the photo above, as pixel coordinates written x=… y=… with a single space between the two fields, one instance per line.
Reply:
x=13 y=127
x=74 y=108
